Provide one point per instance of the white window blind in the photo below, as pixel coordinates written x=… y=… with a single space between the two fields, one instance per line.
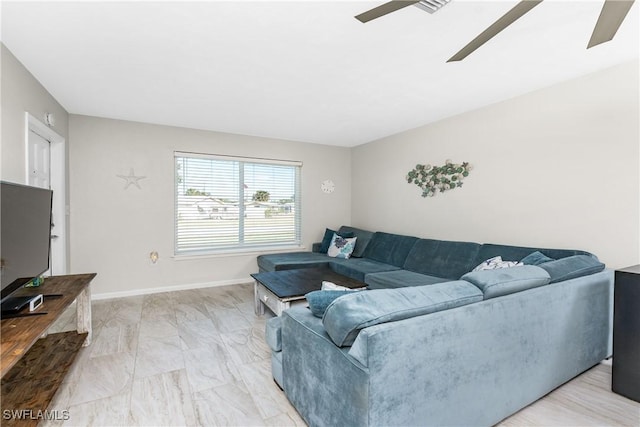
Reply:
x=226 y=203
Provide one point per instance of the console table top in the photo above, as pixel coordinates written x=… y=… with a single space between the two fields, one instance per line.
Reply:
x=20 y=333
x=633 y=269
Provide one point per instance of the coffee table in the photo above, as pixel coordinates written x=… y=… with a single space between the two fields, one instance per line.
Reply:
x=278 y=289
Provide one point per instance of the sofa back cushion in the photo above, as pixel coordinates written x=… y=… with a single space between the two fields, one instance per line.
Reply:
x=442 y=258
x=345 y=317
x=572 y=267
x=363 y=239
x=535 y=258
x=516 y=253
x=505 y=281
x=389 y=248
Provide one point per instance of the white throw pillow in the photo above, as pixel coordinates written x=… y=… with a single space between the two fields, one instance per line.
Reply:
x=495 y=263
x=330 y=286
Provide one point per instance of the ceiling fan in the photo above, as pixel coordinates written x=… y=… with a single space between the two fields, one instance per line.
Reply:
x=611 y=17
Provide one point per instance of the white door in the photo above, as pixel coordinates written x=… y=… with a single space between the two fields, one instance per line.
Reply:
x=46 y=169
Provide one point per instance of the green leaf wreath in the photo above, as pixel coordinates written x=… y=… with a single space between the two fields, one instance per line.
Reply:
x=433 y=179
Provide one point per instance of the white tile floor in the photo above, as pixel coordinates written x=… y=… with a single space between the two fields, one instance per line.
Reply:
x=198 y=357
x=194 y=357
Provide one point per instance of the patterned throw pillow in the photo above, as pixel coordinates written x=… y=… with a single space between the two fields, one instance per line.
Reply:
x=341 y=247
x=496 y=262
x=326 y=240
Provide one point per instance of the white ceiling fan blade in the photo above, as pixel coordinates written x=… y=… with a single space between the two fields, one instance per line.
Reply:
x=384 y=9
x=507 y=19
x=611 y=17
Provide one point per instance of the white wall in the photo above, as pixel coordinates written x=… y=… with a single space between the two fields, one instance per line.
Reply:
x=557 y=168
x=113 y=230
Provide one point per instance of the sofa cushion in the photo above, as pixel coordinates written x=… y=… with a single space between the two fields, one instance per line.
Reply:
x=504 y=281
x=273 y=333
x=364 y=237
x=346 y=316
x=400 y=279
x=357 y=268
x=292 y=260
x=572 y=267
x=507 y=252
x=328 y=236
x=390 y=248
x=320 y=300
x=442 y=258
x=535 y=258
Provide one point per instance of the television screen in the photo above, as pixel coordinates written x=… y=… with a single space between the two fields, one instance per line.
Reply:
x=25 y=234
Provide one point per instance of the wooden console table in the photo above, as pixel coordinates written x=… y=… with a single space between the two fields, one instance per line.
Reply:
x=33 y=368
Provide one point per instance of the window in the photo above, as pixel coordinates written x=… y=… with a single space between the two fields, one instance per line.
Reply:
x=226 y=203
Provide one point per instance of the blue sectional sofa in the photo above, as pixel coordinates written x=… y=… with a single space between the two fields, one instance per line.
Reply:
x=433 y=343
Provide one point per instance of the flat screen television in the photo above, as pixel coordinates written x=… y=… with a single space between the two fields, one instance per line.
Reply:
x=25 y=234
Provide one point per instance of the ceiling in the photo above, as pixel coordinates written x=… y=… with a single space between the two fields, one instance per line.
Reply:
x=299 y=70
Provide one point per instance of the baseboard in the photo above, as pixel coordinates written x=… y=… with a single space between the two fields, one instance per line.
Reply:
x=184 y=287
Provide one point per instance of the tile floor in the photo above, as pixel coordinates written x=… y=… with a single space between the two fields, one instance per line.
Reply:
x=198 y=357
x=195 y=357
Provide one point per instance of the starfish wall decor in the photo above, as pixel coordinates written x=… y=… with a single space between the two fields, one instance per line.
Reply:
x=131 y=179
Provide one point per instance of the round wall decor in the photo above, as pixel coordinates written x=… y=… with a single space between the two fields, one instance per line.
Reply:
x=327 y=186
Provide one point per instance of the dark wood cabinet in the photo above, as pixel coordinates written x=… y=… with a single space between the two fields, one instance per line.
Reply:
x=34 y=367
x=626 y=333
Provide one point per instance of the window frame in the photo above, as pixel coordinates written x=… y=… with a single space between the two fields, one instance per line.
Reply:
x=241 y=247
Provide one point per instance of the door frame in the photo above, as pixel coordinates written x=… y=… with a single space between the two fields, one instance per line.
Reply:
x=58 y=178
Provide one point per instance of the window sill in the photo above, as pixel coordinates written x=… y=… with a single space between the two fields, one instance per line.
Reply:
x=239 y=252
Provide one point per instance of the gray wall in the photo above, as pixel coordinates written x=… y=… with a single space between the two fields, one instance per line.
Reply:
x=114 y=230
x=558 y=167
x=21 y=93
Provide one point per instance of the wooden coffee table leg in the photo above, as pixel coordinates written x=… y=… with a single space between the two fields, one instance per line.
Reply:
x=258 y=306
x=263 y=297
x=83 y=314
x=282 y=306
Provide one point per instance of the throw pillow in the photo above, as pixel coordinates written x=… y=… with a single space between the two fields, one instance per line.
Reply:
x=364 y=237
x=496 y=262
x=341 y=247
x=320 y=300
x=328 y=235
x=535 y=258
x=330 y=286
